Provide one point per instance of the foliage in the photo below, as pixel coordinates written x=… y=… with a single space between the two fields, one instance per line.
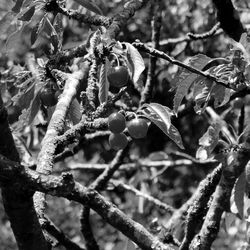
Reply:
x=191 y=82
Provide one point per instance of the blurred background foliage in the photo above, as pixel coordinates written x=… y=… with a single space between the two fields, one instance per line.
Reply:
x=175 y=185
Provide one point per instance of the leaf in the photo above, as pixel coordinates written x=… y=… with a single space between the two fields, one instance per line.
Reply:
x=221 y=95
x=35 y=106
x=135 y=61
x=27 y=3
x=208 y=141
x=58 y=25
x=160 y=116
x=17 y=7
x=75 y=113
x=202 y=93
x=184 y=79
x=229 y=219
x=160 y=112
x=28 y=14
x=30 y=100
x=14 y=38
x=5 y=22
x=51 y=32
x=130 y=245
x=175 y=136
x=88 y=4
x=103 y=83
x=238 y=194
x=24 y=96
x=36 y=31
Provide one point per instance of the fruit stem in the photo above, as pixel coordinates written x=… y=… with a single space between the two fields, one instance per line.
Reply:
x=117 y=59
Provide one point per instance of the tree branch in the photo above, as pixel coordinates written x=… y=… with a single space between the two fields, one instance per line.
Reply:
x=18 y=204
x=221 y=201
x=65 y=186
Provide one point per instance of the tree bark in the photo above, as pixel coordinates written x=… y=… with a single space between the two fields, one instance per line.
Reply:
x=19 y=205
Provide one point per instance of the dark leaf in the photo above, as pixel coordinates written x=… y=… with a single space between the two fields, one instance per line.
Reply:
x=184 y=79
x=28 y=14
x=239 y=191
x=17 y=7
x=88 y=4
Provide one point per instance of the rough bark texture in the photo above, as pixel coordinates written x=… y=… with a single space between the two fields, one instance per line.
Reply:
x=220 y=203
x=18 y=204
x=65 y=186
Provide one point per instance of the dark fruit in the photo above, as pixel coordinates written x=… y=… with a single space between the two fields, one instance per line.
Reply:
x=57 y=94
x=118 y=141
x=238 y=103
x=13 y=113
x=137 y=128
x=116 y=123
x=118 y=76
x=48 y=97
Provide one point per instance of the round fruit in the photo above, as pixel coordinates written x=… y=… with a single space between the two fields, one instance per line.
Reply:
x=48 y=97
x=57 y=94
x=118 y=76
x=118 y=141
x=116 y=123
x=13 y=113
x=137 y=128
x=238 y=103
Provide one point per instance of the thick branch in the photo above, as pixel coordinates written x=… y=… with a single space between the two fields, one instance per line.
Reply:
x=220 y=203
x=55 y=128
x=19 y=205
x=199 y=206
x=65 y=186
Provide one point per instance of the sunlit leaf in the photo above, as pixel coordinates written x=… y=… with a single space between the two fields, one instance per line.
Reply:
x=75 y=113
x=103 y=83
x=208 y=141
x=184 y=79
x=162 y=113
x=135 y=61
x=160 y=116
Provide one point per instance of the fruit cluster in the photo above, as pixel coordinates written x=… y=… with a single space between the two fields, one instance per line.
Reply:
x=137 y=128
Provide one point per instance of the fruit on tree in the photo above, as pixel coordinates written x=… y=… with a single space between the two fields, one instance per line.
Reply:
x=58 y=93
x=116 y=123
x=48 y=97
x=118 y=76
x=238 y=103
x=13 y=113
x=137 y=128
x=118 y=141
